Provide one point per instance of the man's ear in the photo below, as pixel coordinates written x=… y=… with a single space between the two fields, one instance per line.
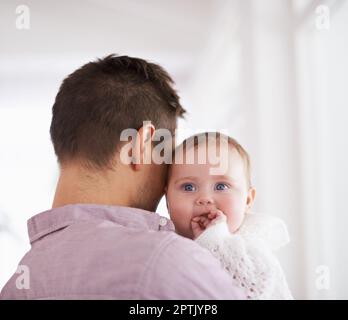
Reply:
x=250 y=198
x=142 y=150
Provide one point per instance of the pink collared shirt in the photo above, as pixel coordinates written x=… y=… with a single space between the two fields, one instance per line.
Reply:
x=88 y=251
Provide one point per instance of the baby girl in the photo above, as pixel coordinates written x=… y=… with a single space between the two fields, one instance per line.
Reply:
x=210 y=201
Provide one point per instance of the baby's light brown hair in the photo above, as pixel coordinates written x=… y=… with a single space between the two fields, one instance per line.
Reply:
x=196 y=139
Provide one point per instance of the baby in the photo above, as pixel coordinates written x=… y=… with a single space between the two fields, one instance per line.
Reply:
x=210 y=201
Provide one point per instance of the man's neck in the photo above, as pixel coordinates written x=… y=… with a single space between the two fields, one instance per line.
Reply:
x=77 y=185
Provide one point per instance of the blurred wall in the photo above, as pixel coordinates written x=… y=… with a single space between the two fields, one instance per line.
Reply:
x=270 y=73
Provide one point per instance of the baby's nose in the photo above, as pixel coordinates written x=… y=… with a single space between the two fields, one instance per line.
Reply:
x=204 y=201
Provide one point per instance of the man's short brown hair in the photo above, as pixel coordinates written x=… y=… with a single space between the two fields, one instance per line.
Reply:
x=101 y=99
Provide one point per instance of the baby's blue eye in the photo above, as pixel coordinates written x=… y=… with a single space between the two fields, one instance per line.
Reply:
x=221 y=186
x=188 y=187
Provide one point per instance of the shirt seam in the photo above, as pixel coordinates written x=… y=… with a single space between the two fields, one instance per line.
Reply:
x=142 y=282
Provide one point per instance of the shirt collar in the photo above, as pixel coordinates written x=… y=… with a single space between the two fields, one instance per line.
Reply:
x=52 y=220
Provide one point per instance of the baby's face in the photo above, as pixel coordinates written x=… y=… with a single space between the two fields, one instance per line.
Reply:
x=192 y=191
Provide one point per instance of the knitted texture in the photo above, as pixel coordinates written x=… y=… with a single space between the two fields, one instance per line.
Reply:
x=247 y=255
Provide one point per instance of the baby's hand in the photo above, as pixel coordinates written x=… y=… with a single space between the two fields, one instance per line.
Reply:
x=200 y=223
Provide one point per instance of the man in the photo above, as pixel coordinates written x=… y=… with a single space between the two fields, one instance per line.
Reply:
x=102 y=238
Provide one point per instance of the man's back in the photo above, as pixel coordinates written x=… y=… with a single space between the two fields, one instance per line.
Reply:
x=108 y=252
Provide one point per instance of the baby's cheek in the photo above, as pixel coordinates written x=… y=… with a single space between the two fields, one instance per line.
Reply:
x=235 y=221
x=230 y=204
x=234 y=210
x=180 y=214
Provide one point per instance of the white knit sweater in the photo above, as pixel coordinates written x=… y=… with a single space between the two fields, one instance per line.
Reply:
x=247 y=254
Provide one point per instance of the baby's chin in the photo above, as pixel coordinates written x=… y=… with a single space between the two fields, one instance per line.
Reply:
x=234 y=227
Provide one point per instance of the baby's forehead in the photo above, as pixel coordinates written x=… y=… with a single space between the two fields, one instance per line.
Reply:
x=207 y=154
x=231 y=165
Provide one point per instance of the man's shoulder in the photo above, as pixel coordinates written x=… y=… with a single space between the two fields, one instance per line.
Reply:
x=178 y=268
x=172 y=250
x=171 y=244
x=163 y=249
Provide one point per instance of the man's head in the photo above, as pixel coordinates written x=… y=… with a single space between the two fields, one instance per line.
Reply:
x=100 y=100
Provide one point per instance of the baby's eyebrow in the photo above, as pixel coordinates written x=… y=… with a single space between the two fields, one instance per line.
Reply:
x=223 y=177
x=186 y=178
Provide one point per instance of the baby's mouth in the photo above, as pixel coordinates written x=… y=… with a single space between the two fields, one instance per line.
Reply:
x=202 y=212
